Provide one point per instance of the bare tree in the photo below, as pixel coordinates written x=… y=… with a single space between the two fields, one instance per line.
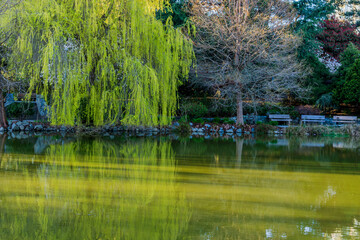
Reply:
x=245 y=50
x=5 y=82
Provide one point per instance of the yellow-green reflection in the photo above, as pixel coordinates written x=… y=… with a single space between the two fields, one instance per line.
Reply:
x=98 y=188
x=93 y=190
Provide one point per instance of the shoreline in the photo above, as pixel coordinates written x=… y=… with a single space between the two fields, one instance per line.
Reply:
x=190 y=129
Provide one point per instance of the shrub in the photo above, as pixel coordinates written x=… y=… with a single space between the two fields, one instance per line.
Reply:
x=263 y=128
x=194 y=109
x=273 y=123
x=184 y=126
x=217 y=120
x=228 y=121
x=198 y=120
x=20 y=110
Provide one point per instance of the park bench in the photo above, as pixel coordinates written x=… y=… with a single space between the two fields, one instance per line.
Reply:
x=312 y=119
x=280 y=118
x=345 y=119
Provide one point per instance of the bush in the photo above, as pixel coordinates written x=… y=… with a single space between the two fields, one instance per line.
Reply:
x=198 y=120
x=273 y=123
x=217 y=120
x=194 y=109
x=20 y=110
x=228 y=121
x=263 y=128
x=184 y=126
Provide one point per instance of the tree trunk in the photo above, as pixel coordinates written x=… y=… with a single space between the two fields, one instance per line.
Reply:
x=3 y=120
x=239 y=110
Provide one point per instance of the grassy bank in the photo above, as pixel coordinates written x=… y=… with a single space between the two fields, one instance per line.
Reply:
x=318 y=130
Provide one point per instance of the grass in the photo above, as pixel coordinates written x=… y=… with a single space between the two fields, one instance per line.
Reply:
x=319 y=130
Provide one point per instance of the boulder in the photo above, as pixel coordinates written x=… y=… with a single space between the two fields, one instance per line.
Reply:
x=38 y=128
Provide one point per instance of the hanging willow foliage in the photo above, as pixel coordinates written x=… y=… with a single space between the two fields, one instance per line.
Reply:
x=105 y=60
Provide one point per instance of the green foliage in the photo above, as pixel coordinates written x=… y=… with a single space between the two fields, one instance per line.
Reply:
x=194 y=109
x=263 y=128
x=217 y=120
x=176 y=11
x=311 y=13
x=115 y=53
x=198 y=120
x=325 y=101
x=345 y=81
x=350 y=93
x=184 y=126
x=228 y=121
x=20 y=110
x=273 y=123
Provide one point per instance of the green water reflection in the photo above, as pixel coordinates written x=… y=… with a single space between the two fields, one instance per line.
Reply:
x=150 y=188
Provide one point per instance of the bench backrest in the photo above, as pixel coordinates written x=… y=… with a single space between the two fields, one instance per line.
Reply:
x=345 y=118
x=312 y=117
x=279 y=116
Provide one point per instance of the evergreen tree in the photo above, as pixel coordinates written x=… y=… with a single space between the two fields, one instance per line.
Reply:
x=111 y=59
x=310 y=14
x=351 y=88
x=343 y=92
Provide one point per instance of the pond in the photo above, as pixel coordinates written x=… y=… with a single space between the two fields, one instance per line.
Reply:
x=117 y=187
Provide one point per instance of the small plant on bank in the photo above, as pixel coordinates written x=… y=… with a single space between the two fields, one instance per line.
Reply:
x=184 y=126
x=263 y=128
x=228 y=121
x=273 y=123
x=198 y=120
x=217 y=120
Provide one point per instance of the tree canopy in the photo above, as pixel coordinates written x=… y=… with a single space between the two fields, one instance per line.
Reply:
x=102 y=60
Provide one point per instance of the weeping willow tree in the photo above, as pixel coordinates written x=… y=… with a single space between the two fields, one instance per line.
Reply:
x=98 y=61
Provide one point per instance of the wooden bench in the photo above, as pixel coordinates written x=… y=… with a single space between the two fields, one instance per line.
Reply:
x=312 y=119
x=280 y=118
x=345 y=119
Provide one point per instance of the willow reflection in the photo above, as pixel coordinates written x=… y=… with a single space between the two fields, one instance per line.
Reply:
x=96 y=189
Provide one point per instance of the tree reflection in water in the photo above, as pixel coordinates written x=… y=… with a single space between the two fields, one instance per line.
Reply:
x=95 y=189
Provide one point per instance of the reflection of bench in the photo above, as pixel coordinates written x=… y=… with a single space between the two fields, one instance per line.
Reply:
x=36 y=99
x=344 y=119
x=280 y=118
x=312 y=118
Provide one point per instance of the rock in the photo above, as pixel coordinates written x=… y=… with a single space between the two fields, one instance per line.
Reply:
x=15 y=128
x=38 y=128
x=230 y=130
x=22 y=127
x=239 y=130
x=194 y=129
x=191 y=124
x=2 y=129
x=207 y=125
x=176 y=124
x=221 y=130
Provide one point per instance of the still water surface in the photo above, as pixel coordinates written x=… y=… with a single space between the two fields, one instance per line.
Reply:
x=156 y=188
